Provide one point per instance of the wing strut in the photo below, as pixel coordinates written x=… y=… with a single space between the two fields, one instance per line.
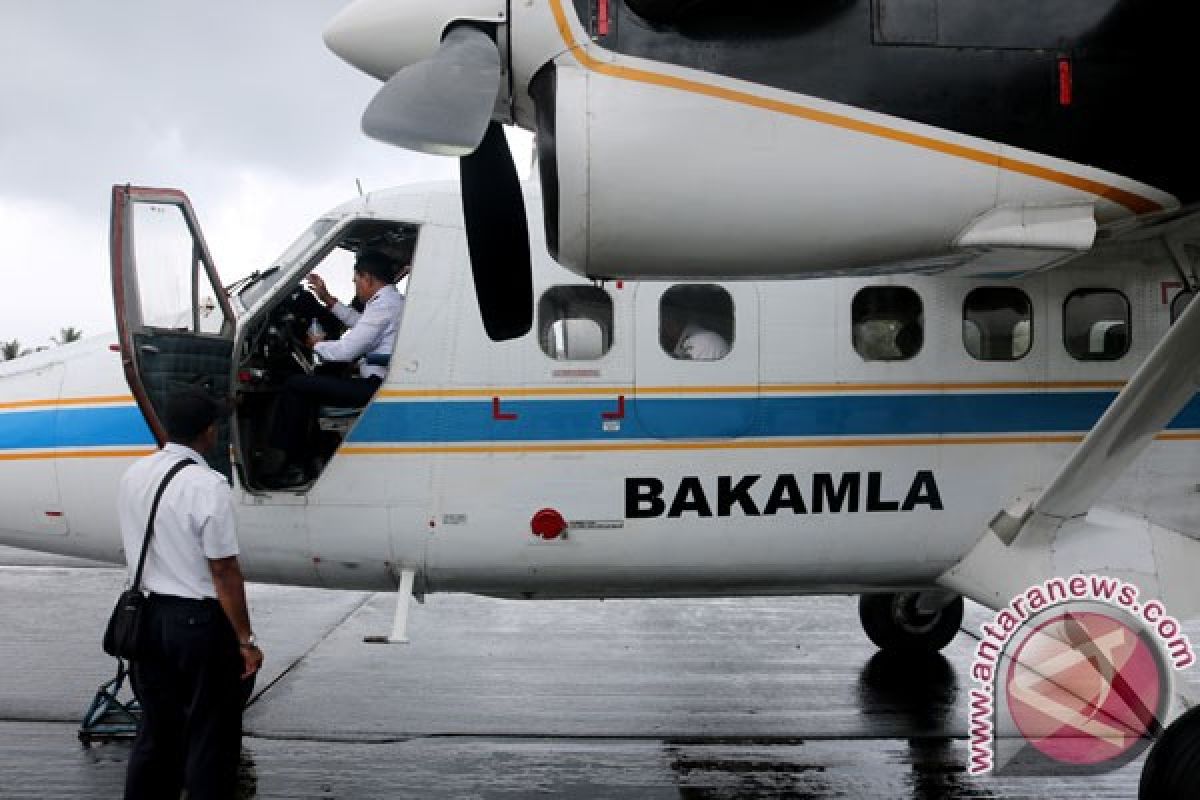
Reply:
x=1036 y=540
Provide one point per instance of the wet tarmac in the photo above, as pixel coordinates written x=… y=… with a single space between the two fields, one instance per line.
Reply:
x=726 y=699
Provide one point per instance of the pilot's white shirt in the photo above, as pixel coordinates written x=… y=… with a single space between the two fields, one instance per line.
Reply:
x=194 y=523
x=373 y=332
x=701 y=344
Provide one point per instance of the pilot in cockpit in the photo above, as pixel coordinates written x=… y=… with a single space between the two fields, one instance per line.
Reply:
x=368 y=340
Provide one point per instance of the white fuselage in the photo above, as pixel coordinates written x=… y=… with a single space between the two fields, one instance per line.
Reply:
x=870 y=474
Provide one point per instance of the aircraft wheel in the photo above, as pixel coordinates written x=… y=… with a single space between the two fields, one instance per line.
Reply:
x=1172 y=769
x=894 y=623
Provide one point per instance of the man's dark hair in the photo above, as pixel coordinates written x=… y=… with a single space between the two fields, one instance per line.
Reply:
x=377 y=265
x=190 y=410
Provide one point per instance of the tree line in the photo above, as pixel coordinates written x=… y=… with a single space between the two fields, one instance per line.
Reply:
x=13 y=349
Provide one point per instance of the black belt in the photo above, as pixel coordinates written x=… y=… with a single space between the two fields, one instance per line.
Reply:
x=181 y=602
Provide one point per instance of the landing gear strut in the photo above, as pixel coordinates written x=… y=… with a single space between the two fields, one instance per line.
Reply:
x=1172 y=769
x=910 y=622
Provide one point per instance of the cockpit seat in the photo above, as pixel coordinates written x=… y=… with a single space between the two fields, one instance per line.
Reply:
x=334 y=412
x=378 y=359
x=339 y=419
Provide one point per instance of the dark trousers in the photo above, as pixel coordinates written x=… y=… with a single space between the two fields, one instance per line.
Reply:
x=189 y=684
x=298 y=403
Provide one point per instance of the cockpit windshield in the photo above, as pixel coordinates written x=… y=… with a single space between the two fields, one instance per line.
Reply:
x=260 y=285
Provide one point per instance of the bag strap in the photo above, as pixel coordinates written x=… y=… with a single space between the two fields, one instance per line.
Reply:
x=162 y=487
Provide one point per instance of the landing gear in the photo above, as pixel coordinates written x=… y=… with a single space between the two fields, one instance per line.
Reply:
x=1172 y=769
x=910 y=622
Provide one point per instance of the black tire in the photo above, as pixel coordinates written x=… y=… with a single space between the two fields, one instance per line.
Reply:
x=893 y=623
x=1172 y=768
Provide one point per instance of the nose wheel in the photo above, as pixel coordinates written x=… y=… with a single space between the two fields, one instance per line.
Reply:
x=910 y=622
x=1172 y=768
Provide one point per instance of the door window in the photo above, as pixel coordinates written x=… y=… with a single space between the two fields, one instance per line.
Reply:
x=174 y=288
x=696 y=323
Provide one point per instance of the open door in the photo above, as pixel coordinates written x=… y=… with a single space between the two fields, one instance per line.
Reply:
x=174 y=320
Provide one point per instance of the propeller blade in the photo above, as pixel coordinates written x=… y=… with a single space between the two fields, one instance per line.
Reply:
x=441 y=105
x=498 y=237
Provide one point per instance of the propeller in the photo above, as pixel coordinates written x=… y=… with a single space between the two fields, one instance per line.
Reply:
x=443 y=105
x=497 y=237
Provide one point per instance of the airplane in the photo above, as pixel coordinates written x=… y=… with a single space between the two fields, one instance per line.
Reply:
x=971 y=292
x=877 y=435
x=704 y=139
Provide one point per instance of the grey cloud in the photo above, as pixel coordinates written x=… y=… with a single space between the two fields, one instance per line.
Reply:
x=194 y=95
x=100 y=92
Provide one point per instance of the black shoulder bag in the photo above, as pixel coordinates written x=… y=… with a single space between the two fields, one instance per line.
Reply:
x=123 y=636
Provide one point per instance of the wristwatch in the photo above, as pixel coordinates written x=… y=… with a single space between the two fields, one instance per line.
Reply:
x=252 y=641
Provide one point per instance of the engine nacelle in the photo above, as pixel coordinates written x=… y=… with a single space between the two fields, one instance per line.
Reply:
x=657 y=171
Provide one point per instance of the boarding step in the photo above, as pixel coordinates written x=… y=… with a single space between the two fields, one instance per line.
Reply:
x=109 y=717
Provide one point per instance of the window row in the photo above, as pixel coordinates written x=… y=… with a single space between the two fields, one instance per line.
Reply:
x=997 y=325
x=696 y=322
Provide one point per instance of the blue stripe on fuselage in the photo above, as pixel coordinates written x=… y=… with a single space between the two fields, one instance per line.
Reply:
x=581 y=419
x=558 y=420
x=74 y=427
x=857 y=415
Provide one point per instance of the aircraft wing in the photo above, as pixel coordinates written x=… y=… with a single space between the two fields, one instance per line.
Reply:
x=1158 y=391
x=1052 y=535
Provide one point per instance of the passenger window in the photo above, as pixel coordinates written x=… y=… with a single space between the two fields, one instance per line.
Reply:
x=575 y=323
x=1180 y=303
x=1096 y=324
x=997 y=324
x=696 y=323
x=888 y=324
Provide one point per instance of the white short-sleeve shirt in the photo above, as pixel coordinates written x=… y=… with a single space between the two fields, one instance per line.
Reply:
x=195 y=522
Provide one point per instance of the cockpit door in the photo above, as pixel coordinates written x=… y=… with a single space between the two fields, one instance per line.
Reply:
x=174 y=321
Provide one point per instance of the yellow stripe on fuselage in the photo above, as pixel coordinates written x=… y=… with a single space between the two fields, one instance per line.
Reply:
x=41 y=455
x=781 y=444
x=66 y=401
x=796 y=388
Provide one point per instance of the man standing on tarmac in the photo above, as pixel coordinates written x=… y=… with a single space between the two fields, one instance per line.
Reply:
x=199 y=654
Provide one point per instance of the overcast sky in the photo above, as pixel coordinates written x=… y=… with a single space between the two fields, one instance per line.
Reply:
x=237 y=103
